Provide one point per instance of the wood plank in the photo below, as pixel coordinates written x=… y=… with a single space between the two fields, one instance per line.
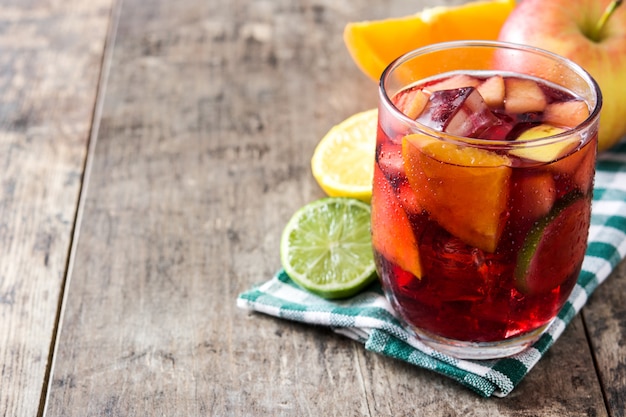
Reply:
x=605 y=317
x=212 y=113
x=50 y=54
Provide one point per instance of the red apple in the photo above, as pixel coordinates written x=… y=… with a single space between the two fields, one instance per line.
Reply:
x=591 y=33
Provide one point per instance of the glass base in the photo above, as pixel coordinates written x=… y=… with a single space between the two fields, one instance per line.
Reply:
x=479 y=350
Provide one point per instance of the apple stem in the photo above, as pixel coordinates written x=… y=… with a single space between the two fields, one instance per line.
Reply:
x=597 y=32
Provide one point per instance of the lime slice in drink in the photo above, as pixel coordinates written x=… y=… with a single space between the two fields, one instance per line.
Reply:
x=326 y=247
x=554 y=249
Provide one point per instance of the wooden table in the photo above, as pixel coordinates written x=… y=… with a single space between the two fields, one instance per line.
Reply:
x=151 y=153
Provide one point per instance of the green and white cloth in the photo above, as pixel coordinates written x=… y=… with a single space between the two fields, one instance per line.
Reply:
x=369 y=319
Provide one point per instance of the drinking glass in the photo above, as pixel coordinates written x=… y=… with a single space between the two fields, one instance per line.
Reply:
x=481 y=203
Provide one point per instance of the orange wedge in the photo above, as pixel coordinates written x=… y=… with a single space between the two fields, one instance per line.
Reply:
x=374 y=44
x=464 y=189
x=392 y=235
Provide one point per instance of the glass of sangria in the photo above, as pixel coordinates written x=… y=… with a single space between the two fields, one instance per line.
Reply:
x=482 y=191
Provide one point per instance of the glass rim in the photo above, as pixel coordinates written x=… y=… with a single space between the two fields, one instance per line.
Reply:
x=491 y=143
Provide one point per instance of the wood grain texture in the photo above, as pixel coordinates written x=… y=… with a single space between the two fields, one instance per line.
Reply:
x=50 y=56
x=211 y=114
x=605 y=317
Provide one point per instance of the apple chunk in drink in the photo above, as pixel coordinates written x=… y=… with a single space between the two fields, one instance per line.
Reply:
x=481 y=205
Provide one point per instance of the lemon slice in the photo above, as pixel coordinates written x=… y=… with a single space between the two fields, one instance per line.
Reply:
x=326 y=247
x=343 y=161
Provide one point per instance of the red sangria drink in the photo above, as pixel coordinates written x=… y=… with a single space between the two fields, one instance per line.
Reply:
x=482 y=192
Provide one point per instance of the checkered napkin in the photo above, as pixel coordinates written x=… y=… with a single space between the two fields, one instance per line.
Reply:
x=369 y=319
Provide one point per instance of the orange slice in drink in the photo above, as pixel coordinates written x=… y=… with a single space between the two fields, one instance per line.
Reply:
x=392 y=235
x=464 y=189
x=374 y=44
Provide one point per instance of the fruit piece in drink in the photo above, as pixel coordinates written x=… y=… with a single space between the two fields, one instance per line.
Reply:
x=544 y=152
x=412 y=104
x=533 y=194
x=566 y=113
x=395 y=239
x=542 y=263
x=452 y=83
x=523 y=96
x=464 y=189
x=492 y=91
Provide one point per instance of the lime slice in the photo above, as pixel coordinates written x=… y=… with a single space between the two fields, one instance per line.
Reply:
x=326 y=247
x=554 y=249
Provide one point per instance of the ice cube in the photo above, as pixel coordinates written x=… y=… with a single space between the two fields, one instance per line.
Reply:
x=461 y=112
x=458 y=267
x=498 y=131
